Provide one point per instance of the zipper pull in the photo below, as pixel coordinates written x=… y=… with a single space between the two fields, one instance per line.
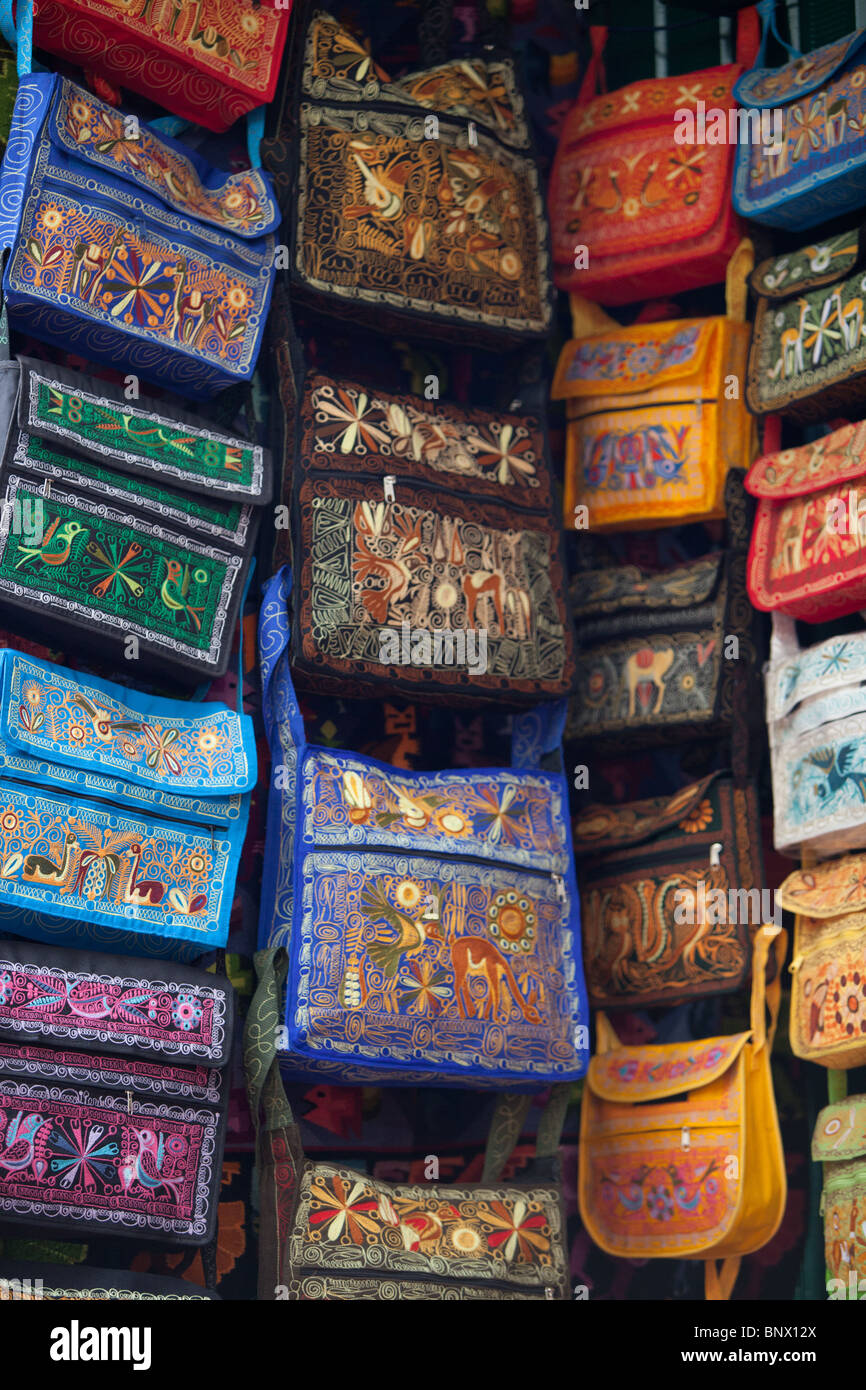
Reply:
x=388 y=485
x=795 y=964
x=548 y=1291
x=685 y=1139
x=559 y=885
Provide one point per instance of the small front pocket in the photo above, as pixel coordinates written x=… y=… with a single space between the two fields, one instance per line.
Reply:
x=412 y=961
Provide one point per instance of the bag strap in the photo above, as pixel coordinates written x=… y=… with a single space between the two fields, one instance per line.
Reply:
x=719 y=1280
x=274 y=641
x=767 y=10
x=536 y=733
x=16 y=25
x=766 y=998
x=507 y=1124
x=784 y=643
x=595 y=78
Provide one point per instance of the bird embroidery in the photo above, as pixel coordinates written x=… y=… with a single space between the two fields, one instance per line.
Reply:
x=175 y=590
x=386 y=952
x=18 y=1154
x=835 y=763
x=146 y=1166
x=55 y=546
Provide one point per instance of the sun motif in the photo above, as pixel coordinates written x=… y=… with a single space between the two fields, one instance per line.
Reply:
x=452 y=822
x=408 y=894
x=512 y=921
x=466 y=1239
x=51 y=218
x=208 y=741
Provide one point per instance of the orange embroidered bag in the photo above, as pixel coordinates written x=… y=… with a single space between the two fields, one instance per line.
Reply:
x=634 y=213
x=680 y=1151
x=651 y=429
x=806 y=558
x=828 y=972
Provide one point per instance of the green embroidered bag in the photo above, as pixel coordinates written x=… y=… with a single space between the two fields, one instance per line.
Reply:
x=126 y=519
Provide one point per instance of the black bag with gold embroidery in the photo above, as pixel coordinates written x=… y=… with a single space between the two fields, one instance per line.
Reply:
x=413 y=203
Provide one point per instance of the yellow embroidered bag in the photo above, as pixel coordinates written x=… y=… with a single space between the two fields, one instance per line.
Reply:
x=680 y=1151
x=828 y=989
x=655 y=420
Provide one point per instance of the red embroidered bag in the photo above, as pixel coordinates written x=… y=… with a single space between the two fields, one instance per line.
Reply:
x=634 y=214
x=806 y=557
x=210 y=61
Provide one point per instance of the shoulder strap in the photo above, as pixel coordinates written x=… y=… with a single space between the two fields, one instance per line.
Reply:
x=508 y=1120
x=279 y=702
x=766 y=998
x=594 y=79
x=767 y=10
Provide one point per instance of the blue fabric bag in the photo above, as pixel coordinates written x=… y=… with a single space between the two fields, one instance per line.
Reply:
x=814 y=110
x=432 y=918
x=122 y=815
x=127 y=247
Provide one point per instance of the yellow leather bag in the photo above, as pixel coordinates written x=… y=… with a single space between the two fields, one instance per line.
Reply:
x=680 y=1151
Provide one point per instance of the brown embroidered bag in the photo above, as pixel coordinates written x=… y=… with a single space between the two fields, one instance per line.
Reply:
x=331 y=1232
x=413 y=203
x=668 y=887
x=427 y=552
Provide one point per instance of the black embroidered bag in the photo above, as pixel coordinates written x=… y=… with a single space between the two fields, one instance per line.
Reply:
x=427 y=551
x=126 y=519
x=113 y=1094
x=32 y=1281
x=416 y=203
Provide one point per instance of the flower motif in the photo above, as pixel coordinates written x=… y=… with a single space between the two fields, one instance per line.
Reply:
x=209 y=740
x=198 y=865
x=660 y=1203
x=697 y=819
x=346 y=1209
x=425 y=987
x=512 y=458
x=498 y=814
x=77 y=733
x=519 y=1231
x=811 y=128
x=452 y=822
x=345 y=419
x=357 y=798
x=186 y=1011
x=51 y=218
x=849 y=998
x=238 y=298
x=5 y=987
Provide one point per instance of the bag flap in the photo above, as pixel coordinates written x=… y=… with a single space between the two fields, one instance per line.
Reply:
x=837 y=458
x=776 y=86
x=117 y=1004
x=825 y=667
x=345 y=426
x=93 y=418
x=651 y=99
x=840 y=1131
x=80 y=125
x=626 y=361
x=57 y=714
x=627 y=587
x=832 y=889
x=629 y=1075
x=339 y=67
x=821 y=263
x=503 y=815
x=600 y=828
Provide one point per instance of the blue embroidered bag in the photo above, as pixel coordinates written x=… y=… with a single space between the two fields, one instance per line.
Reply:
x=122 y=815
x=432 y=918
x=813 y=167
x=127 y=248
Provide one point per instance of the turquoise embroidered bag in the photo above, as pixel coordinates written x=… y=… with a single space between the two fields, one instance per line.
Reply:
x=122 y=815
x=432 y=918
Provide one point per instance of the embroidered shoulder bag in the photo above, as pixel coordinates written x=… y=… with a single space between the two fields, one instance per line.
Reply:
x=654 y=422
x=667 y=890
x=808 y=354
x=127 y=248
x=640 y=204
x=123 y=813
x=113 y=1094
x=415 y=205
x=806 y=558
x=810 y=163
x=126 y=519
x=432 y=918
x=31 y=1281
x=426 y=549
x=652 y=658
x=816 y=721
x=680 y=1151
x=828 y=986
x=210 y=61
x=839 y=1145
x=331 y=1232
